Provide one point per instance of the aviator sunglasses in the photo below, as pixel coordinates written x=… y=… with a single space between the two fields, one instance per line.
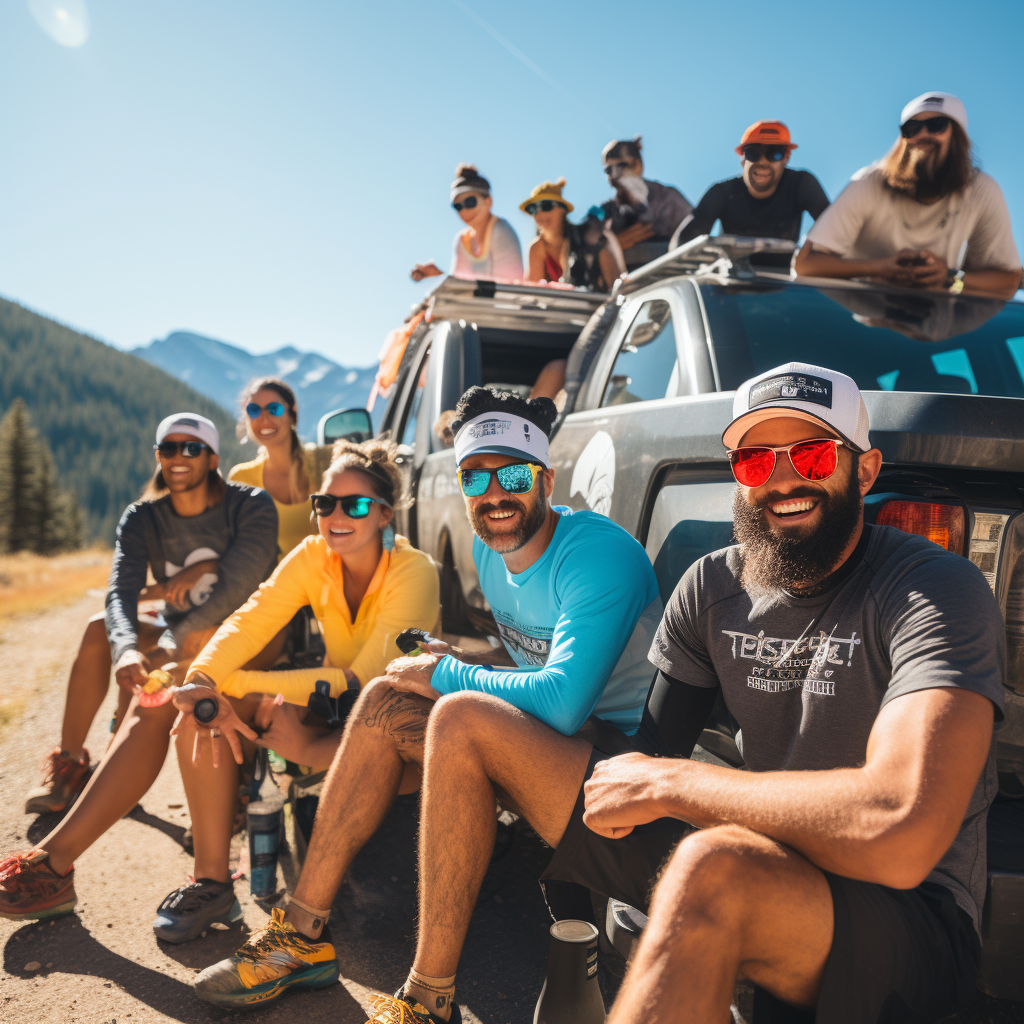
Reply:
x=932 y=125
x=755 y=150
x=253 y=409
x=516 y=478
x=190 y=449
x=813 y=460
x=355 y=506
x=544 y=205
x=469 y=203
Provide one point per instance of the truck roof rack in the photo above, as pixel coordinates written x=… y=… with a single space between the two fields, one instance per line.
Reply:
x=727 y=255
x=518 y=306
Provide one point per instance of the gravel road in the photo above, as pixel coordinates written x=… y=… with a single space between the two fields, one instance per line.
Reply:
x=103 y=964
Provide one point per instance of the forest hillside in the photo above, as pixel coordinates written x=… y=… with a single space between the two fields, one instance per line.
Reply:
x=98 y=409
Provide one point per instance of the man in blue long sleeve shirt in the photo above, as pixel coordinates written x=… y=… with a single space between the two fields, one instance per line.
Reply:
x=577 y=606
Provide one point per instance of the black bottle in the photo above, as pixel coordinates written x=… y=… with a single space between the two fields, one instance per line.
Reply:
x=571 y=994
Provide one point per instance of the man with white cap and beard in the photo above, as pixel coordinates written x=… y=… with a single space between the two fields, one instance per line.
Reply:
x=924 y=216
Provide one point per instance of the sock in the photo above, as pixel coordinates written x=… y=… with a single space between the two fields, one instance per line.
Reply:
x=307 y=920
x=436 y=994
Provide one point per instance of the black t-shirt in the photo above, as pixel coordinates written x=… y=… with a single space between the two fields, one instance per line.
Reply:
x=778 y=216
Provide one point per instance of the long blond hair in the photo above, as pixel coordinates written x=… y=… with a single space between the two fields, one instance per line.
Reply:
x=298 y=476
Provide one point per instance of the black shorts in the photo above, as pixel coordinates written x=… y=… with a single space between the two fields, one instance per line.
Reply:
x=897 y=955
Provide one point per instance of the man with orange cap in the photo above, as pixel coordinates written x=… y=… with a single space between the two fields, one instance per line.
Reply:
x=768 y=200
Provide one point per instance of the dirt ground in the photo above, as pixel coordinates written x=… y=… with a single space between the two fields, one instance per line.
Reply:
x=103 y=965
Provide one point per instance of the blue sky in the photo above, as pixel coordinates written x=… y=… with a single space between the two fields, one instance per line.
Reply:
x=267 y=173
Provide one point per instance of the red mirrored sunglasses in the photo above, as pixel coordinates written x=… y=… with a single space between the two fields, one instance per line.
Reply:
x=813 y=460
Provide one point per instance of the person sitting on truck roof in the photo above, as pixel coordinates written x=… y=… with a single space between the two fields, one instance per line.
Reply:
x=488 y=248
x=844 y=870
x=768 y=200
x=641 y=210
x=587 y=255
x=924 y=216
x=208 y=543
x=576 y=605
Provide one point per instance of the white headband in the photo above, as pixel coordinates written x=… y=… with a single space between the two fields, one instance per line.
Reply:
x=502 y=433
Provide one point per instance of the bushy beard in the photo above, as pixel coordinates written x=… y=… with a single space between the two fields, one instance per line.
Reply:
x=917 y=174
x=531 y=519
x=634 y=188
x=793 y=560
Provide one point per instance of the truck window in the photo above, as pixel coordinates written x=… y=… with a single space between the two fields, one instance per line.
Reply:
x=409 y=428
x=645 y=367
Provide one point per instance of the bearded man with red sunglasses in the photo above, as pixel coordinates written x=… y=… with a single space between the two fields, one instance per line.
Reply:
x=924 y=216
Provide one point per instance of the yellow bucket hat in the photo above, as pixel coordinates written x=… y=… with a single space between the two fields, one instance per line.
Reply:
x=548 y=190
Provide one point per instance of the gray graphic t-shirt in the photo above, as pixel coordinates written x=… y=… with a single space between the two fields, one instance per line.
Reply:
x=805 y=677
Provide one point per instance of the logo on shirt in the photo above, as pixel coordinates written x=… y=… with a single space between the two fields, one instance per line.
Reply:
x=526 y=648
x=800 y=664
x=800 y=387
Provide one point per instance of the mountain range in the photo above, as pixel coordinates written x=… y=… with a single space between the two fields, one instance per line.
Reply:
x=220 y=371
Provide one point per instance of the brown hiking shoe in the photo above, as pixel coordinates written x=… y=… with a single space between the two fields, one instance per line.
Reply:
x=30 y=891
x=65 y=778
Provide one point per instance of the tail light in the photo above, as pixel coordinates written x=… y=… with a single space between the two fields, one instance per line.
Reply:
x=941 y=524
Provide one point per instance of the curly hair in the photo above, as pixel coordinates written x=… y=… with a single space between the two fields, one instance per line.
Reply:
x=375 y=459
x=539 y=411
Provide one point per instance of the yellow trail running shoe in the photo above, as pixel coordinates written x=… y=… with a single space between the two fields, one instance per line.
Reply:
x=400 y=1009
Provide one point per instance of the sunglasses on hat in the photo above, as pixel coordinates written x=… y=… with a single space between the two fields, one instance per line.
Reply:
x=753 y=152
x=253 y=409
x=469 y=203
x=355 y=506
x=190 y=449
x=813 y=460
x=516 y=478
x=932 y=125
x=545 y=205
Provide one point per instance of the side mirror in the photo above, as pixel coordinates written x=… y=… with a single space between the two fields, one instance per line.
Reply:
x=344 y=424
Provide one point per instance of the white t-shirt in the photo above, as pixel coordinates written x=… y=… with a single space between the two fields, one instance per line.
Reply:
x=500 y=258
x=869 y=221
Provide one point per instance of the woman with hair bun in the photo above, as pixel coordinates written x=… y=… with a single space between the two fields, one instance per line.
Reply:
x=488 y=248
x=283 y=467
x=364 y=583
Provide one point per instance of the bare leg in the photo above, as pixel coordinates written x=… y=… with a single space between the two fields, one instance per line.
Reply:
x=383 y=742
x=730 y=903
x=476 y=743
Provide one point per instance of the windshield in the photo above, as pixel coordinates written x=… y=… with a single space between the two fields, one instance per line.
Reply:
x=884 y=340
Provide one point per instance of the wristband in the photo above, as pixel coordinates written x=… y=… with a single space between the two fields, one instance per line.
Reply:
x=957 y=284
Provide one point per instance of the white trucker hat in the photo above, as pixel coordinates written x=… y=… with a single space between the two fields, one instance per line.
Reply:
x=194 y=425
x=804 y=392
x=936 y=103
x=502 y=433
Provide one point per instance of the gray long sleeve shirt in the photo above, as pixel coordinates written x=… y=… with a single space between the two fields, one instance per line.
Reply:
x=240 y=532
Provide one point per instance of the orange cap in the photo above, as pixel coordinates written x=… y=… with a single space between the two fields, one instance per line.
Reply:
x=767 y=132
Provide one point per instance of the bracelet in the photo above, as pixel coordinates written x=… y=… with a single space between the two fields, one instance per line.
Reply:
x=957 y=283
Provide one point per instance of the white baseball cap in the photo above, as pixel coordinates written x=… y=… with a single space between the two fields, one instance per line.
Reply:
x=804 y=392
x=193 y=424
x=936 y=103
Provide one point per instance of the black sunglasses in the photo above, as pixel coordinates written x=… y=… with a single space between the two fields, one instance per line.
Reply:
x=616 y=165
x=753 y=152
x=932 y=125
x=469 y=203
x=355 y=506
x=545 y=205
x=190 y=449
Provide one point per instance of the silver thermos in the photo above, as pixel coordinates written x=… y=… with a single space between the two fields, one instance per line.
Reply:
x=571 y=994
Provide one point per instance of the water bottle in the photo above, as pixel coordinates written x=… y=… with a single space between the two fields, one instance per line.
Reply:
x=571 y=994
x=264 y=817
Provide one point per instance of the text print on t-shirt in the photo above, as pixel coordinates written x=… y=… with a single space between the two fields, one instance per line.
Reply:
x=799 y=664
x=528 y=645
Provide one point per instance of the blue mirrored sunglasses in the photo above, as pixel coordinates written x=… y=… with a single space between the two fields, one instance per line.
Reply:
x=517 y=478
x=355 y=506
x=253 y=409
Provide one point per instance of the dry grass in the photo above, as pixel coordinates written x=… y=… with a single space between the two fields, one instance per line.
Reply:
x=32 y=583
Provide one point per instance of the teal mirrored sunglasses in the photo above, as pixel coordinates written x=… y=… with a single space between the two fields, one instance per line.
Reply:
x=516 y=478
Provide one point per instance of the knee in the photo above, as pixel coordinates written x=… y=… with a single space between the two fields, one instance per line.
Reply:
x=464 y=718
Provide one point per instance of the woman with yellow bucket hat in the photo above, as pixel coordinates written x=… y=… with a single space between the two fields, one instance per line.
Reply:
x=582 y=255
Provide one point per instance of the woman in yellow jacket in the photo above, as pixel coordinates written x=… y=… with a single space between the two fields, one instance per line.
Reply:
x=364 y=584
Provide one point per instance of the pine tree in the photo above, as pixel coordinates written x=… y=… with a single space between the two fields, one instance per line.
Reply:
x=35 y=514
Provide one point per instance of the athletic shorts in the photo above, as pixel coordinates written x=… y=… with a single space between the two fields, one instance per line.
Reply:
x=897 y=955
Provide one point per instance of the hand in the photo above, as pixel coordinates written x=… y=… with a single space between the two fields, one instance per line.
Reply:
x=227 y=725
x=933 y=273
x=412 y=675
x=623 y=792
x=131 y=670
x=897 y=268
x=634 y=234
x=422 y=270
x=284 y=730
x=176 y=589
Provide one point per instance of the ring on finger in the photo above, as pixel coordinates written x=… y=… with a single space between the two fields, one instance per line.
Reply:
x=215 y=733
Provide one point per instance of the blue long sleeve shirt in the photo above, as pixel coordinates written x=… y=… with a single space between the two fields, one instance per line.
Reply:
x=578 y=622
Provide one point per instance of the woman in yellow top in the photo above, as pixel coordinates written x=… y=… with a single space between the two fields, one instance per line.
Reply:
x=282 y=467
x=365 y=585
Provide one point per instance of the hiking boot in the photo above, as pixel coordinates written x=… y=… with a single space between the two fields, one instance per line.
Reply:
x=31 y=891
x=64 y=780
x=272 y=961
x=189 y=911
x=400 y=1009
